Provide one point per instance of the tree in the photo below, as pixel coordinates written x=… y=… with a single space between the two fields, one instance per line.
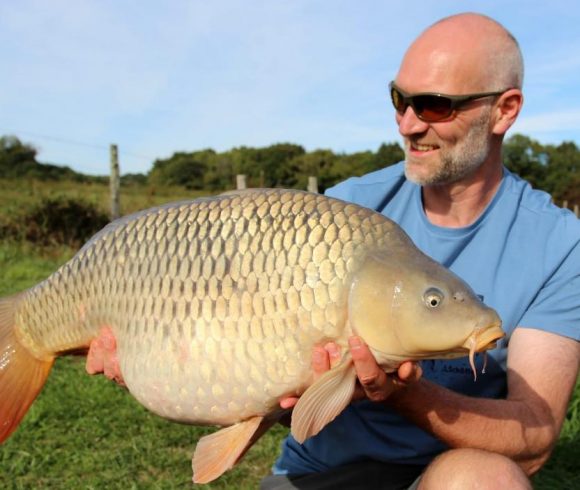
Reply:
x=219 y=174
x=275 y=163
x=388 y=154
x=184 y=169
x=16 y=158
x=563 y=171
x=267 y=167
x=318 y=163
x=526 y=158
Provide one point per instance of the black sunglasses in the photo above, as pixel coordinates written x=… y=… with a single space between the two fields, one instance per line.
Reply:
x=430 y=106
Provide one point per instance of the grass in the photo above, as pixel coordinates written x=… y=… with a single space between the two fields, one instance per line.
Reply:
x=14 y=194
x=86 y=432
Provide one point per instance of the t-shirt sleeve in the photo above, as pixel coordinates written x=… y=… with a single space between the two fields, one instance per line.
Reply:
x=556 y=307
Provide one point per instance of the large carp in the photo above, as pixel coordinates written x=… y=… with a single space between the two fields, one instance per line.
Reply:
x=217 y=303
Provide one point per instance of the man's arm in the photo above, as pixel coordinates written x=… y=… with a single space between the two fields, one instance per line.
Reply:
x=542 y=371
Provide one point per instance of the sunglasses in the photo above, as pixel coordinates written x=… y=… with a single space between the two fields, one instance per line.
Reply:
x=432 y=107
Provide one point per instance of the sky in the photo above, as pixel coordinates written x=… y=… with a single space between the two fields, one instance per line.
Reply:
x=157 y=77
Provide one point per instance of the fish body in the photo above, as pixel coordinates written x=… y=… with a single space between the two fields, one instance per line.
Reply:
x=217 y=303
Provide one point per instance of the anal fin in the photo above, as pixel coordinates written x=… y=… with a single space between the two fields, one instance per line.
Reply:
x=220 y=451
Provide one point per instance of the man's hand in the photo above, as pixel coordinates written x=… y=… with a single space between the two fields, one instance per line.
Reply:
x=374 y=384
x=102 y=356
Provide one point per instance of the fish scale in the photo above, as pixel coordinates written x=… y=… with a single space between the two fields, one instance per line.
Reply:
x=155 y=235
x=217 y=303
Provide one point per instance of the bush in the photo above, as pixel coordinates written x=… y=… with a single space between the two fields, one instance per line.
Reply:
x=56 y=221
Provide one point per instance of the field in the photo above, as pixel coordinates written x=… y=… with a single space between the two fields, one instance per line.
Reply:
x=85 y=432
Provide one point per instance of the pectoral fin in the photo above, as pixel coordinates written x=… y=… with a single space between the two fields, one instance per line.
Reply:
x=323 y=401
x=220 y=451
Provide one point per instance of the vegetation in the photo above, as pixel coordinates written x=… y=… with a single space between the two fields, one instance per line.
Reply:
x=57 y=220
x=86 y=432
x=553 y=168
x=18 y=160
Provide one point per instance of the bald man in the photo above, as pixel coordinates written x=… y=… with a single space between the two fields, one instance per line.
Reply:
x=460 y=205
x=457 y=92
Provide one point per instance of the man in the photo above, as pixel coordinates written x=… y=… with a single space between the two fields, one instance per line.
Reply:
x=522 y=254
x=519 y=252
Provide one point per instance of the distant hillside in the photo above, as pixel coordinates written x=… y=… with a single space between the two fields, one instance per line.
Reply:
x=18 y=160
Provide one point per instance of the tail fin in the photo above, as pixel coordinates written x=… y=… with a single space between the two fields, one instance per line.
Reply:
x=22 y=375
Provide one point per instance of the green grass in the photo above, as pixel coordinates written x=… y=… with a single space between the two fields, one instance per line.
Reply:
x=562 y=471
x=86 y=432
x=14 y=194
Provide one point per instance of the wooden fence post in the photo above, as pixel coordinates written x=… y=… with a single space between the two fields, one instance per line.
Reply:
x=312 y=184
x=115 y=183
x=240 y=181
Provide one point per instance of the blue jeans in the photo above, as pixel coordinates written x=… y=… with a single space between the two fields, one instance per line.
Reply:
x=366 y=475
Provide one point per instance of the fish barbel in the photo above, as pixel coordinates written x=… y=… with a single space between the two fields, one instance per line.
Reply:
x=217 y=303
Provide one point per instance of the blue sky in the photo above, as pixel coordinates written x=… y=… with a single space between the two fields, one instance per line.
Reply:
x=184 y=75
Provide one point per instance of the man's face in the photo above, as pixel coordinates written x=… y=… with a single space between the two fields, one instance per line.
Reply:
x=447 y=151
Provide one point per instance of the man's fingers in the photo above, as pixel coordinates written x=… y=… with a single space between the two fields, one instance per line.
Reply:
x=334 y=354
x=107 y=338
x=320 y=361
x=95 y=357
x=113 y=370
x=288 y=402
x=323 y=358
x=409 y=372
x=374 y=381
x=102 y=356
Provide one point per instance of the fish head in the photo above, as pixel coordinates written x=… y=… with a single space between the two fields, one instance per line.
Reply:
x=406 y=306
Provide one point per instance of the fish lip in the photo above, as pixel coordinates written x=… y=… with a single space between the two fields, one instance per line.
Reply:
x=485 y=338
x=482 y=339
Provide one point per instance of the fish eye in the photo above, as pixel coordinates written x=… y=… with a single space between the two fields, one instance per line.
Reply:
x=433 y=297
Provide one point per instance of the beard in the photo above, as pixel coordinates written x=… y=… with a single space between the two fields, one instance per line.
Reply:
x=458 y=161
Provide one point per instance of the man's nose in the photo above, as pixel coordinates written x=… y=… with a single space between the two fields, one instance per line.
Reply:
x=409 y=124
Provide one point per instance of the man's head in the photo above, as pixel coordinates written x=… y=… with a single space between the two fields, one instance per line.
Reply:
x=460 y=55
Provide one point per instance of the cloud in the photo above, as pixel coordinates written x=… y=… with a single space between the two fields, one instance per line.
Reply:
x=549 y=122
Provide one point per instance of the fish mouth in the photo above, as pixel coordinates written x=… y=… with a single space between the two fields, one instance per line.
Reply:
x=482 y=340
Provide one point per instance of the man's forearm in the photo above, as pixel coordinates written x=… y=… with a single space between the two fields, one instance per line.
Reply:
x=507 y=427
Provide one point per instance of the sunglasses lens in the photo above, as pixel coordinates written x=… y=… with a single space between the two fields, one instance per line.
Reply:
x=432 y=108
x=427 y=107
x=398 y=100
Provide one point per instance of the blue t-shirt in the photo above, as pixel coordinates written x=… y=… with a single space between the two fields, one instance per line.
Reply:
x=522 y=256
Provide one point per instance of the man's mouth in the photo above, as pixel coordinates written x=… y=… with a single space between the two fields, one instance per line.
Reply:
x=422 y=147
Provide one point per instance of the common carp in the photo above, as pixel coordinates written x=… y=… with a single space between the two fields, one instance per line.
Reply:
x=217 y=303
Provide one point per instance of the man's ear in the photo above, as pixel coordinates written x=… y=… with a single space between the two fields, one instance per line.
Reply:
x=507 y=109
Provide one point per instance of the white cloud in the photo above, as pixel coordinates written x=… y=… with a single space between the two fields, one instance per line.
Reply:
x=549 y=122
